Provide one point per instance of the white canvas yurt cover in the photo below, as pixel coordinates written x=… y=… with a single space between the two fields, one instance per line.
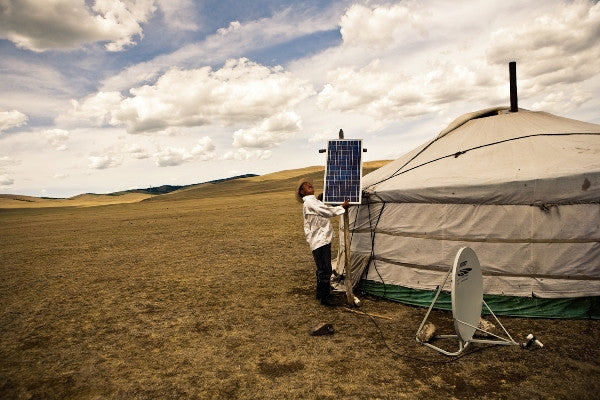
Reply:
x=522 y=189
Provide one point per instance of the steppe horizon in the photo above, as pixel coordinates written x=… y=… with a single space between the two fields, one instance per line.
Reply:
x=14 y=200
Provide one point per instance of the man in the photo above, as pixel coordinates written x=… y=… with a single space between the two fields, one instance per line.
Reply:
x=319 y=233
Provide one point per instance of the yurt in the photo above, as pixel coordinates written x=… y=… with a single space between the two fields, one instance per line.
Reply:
x=522 y=189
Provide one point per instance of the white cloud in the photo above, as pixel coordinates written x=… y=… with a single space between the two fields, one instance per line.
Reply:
x=179 y=14
x=6 y=180
x=57 y=138
x=6 y=171
x=96 y=109
x=378 y=26
x=243 y=154
x=561 y=44
x=37 y=88
x=105 y=161
x=383 y=94
x=136 y=151
x=6 y=161
x=561 y=101
x=233 y=27
x=173 y=156
x=270 y=132
x=68 y=24
x=11 y=119
x=405 y=60
x=204 y=150
x=240 y=92
x=234 y=41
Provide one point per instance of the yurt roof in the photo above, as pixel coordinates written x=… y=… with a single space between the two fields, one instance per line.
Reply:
x=493 y=156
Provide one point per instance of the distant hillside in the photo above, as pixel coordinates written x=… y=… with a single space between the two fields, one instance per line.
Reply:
x=82 y=200
x=240 y=185
x=156 y=190
x=276 y=182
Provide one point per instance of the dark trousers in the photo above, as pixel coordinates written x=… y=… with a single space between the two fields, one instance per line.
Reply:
x=322 y=257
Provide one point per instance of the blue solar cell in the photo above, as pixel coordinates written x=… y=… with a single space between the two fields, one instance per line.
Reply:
x=343 y=171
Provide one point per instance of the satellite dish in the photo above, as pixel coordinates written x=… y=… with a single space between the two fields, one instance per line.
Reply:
x=467 y=293
x=467 y=300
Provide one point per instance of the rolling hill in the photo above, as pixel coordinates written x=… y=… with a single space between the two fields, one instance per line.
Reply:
x=233 y=186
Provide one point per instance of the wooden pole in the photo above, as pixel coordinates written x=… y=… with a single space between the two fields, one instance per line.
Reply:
x=348 y=280
x=368 y=315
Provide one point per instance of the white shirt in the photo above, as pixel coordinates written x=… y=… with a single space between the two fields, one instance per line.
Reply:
x=317 y=228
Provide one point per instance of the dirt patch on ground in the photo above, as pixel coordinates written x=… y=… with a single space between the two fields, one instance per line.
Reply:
x=213 y=297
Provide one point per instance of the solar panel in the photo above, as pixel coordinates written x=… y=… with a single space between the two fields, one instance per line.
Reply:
x=343 y=171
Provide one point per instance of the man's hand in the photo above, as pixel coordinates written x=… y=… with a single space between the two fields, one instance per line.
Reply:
x=346 y=204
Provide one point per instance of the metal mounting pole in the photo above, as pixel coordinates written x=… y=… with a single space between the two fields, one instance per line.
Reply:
x=348 y=280
x=512 y=72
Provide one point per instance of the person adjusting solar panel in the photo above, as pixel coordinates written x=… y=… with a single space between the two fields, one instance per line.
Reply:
x=319 y=233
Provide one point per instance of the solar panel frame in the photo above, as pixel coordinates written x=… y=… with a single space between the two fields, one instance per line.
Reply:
x=343 y=171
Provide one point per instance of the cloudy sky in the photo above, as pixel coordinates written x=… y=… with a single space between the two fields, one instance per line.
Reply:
x=107 y=95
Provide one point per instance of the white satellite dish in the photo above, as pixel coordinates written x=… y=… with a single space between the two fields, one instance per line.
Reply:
x=467 y=300
x=467 y=293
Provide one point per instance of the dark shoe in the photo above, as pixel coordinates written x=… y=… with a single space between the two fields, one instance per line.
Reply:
x=322 y=290
x=322 y=329
x=328 y=301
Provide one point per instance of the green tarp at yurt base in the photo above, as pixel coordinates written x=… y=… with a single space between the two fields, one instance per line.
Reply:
x=522 y=189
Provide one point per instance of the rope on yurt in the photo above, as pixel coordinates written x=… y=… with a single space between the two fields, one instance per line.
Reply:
x=406 y=163
x=373 y=233
x=354 y=224
x=461 y=152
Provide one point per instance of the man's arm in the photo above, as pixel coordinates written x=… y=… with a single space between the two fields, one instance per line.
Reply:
x=328 y=211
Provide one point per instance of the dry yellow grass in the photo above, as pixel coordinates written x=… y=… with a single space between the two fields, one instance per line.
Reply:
x=209 y=294
x=84 y=200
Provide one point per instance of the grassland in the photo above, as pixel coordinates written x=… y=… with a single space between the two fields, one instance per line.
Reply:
x=208 y=293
